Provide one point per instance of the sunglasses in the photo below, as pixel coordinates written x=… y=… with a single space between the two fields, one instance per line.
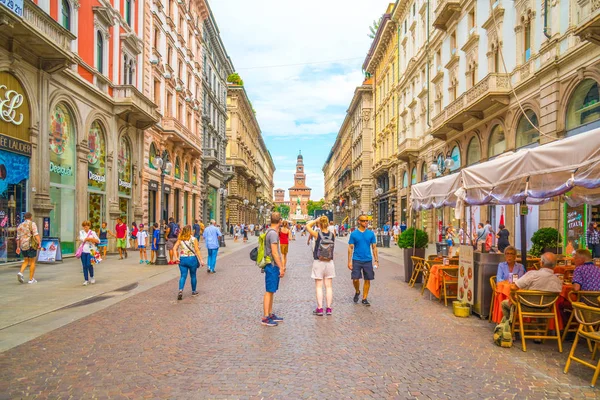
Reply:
x=363 y=220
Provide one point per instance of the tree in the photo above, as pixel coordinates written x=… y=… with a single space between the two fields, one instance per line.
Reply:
x=311 y=206
x=235 y=79
x=283 y=210
x=373 y=28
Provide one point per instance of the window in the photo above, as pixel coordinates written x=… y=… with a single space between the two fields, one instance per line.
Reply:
x=526 y=132
x=471 y=19
x=157 y=92
x=180 y=111
x=66 y=15
x=177 y=168
x=496 y=55
x=169 y=54
x=405 y=179
x=128 y=68
x=152 y=156
x=453 y=43
x=497 y=143
x=128 y=12
x=424 y=172
x=527 y=41
x=584 y=105
x=169 y=104
x=186 y=172
x=156 y=38
x=455 y=156
x=99 y=52
x=413 y=176
x=473 y=151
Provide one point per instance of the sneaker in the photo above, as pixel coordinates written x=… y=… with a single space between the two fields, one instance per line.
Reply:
x=85 y=283
x=180 y=295
x=328 y=311
x=195 y=293
x=148 y=262
x=356 y=295
x=125 y=254
x=268 y=322
x=366 y=302
x=141 y=261
x=276 y=318
x=32 y=281
x=92 y=281
x=213 y=272
x=20 y=277
x=319 y=312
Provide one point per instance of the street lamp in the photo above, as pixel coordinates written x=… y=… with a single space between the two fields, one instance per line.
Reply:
x=378 y=192
x=223 y=193
x=165 y=168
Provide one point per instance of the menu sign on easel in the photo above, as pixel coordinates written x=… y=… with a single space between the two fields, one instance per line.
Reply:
x=466 y=275
x=50 y=251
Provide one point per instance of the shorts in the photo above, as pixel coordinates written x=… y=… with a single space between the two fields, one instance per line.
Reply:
x=122 y=243
x=271 y=278
x=141 y=247
x=323 y=269
x=103 y=243
x=134 y=237
x=31 y=253
x=154 y=248
x=362 y=268
x=171 y=243
x=283 y=248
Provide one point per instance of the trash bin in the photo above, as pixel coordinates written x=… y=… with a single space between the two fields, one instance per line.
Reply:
x=441 y=248
x=386 y=241
x=379 y=241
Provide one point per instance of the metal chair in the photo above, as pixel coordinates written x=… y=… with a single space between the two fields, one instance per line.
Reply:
x=417 y=269
x=587 y=297
x=589 y=320
x=536 y=305
x=493 y=285
x=449 y=281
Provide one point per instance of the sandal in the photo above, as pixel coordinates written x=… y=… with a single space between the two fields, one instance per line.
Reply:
x=180 y=295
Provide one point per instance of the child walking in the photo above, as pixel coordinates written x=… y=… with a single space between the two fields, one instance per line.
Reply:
x=155 y=240
x=103 y=235
x=142 y=238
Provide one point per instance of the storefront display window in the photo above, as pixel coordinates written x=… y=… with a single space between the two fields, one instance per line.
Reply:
x=413 y=176
x=584 y=105
x=473 y=151
x=527 y=133
x=497 y=141
x=455 y=156
x=124 y=167
x=185 y=207
x=532 y=223
x=14 y=168
x=424 y=172
x=62 y=177
x=152 y=156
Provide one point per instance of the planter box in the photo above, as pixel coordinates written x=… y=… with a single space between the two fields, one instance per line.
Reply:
x=408 y=265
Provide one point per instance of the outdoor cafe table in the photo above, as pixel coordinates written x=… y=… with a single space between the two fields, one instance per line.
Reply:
x=434 y=284
x=503 y=292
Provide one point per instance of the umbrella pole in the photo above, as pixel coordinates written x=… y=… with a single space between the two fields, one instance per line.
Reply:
x=523 y=236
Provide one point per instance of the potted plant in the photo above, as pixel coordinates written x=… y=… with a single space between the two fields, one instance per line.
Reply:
x=545 y=239
x=413 y=243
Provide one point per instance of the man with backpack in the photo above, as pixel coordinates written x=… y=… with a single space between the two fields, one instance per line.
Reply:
x=211 y=236
x=172 y=234
x=273 y=270
x=360 y=261
x=323 y=269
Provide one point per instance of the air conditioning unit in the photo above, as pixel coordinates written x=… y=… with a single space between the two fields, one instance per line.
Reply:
x=496 y=4
x=179 y=1
x=167 y=75
x=154 y=61
x=454 y=51
x=188 y=99
x=472 y=31
x=439 y=68
x=196 y=108
x=178 y=88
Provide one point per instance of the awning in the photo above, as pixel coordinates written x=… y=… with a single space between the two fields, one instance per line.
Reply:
x=435 y=193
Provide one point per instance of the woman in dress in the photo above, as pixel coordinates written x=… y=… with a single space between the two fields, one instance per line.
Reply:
x=88 y=239
x=284 y=241
x=502 y=236
x=103 y=236
x=189 y=259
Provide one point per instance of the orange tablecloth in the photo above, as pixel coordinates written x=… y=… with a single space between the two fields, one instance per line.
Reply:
x=560 y=269
x=434 y=284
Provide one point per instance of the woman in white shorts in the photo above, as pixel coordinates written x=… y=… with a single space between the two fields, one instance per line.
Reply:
x=323 y=269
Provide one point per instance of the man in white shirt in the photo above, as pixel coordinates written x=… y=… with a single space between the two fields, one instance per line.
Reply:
x=331 y=228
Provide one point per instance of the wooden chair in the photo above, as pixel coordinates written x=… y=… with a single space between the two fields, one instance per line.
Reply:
x=449 y=281
x=426 y=272
x=417 y=269
x=536 y=305
x=454 y=261
x=433 y=257
x=589 y=320
x=532 y=264
x=587 y=297
x=493 y=285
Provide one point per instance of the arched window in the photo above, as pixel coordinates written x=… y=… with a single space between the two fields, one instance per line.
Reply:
x=440 y=163
x=99 y=52
x=124 y=167
x=527 y=133
x=186 y=172
x=413 y=176
x=584 y=105
x=194 y=177
x=473 y=151
x=66 y=14
x=455 y=156
x=177 y=168
x=96 y=157
x=497 y=144
x=405 y=179
x=424 y=172
x=152 y=156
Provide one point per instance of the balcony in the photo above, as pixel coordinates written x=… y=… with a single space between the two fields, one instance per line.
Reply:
x=133 y=107
x=444 y=12
x=588 y=26
x=36 y=37
x=408 y=148
x=181 y=136
x=210 y=160
x=492 y=90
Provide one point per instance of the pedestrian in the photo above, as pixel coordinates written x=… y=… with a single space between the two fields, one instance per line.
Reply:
x=121 y=236
x=450 y=239
x=480 y=234
x=402 y=226
x=360 y=261
x=88 y=238
x=284 y=241
x=155 y=240
x=196 y=228
x=273 y=271
x=28 y=243
x=133 y=235
x=593 y=239
x=103 y=236
x=142 y=242
x=211 y=237
x=245 y=232
x=323 y=269
x=189 y=259
x=172 y=234
x=502 y=235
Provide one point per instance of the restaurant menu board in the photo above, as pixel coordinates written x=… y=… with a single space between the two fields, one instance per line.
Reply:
x=50 y=251
x=574 y=228
x=466 y=274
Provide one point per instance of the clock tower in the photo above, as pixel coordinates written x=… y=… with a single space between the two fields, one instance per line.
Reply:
x=299 y=193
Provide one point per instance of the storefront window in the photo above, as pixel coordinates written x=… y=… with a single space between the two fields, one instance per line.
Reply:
x=124 y=167
x=455 y=156
x=185 y=207
x=413 y=176
x=13 y=195
x=473 y=151
x=584 y=105
x=96 y=158
x=186 y=172
x=527 y=133
x=194 y=177
x=62 y=177
x=405 y=179
x=152 y=156
x=440 y=164
x=211 y=203
x=497 y=141
x=177 y=168
x=424 y=172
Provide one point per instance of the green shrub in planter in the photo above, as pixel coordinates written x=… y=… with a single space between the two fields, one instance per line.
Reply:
x=407 y=239
x=544 y=238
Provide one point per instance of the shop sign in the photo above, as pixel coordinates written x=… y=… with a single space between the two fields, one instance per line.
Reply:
x=574 y=228
x=61 y=170
x=14 y=108
x=15 y=145
x=96 y=157
x=124 y=184
x=167 y=189
x=16 y=6
x=96 y=178
x=153 y=186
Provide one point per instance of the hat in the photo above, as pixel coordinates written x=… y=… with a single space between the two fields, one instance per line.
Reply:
x=141 y=225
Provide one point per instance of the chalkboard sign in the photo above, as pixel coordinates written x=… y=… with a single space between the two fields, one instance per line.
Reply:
x=50 y=251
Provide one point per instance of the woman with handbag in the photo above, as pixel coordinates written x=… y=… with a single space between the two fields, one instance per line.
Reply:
x=28 y=243
x=189 y=259
x=88 y=239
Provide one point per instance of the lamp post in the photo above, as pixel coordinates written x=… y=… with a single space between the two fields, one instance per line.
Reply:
x=223 y=193
x=246 y=201
x=354 y=203
x=165 y=168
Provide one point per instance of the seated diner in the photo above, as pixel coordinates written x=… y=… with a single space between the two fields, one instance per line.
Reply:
x=586 y=275
x=510 y=268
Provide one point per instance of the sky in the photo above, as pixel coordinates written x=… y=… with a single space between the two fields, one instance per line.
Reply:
x=299 y=107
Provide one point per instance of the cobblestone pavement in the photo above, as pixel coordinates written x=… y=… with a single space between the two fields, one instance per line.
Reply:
x=212 y=346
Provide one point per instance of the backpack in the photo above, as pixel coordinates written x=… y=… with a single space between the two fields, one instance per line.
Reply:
x=326 y=244
x=502 y=333
x=259 y=254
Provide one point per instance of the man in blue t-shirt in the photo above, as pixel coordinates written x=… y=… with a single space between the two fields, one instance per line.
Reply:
x=360 y=261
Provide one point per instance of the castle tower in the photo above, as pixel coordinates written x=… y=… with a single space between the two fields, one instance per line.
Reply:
x=279 y=196
x=299 y=193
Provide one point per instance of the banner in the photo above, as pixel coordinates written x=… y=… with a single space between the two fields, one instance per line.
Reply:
x=50 y=251
x=466 y=275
